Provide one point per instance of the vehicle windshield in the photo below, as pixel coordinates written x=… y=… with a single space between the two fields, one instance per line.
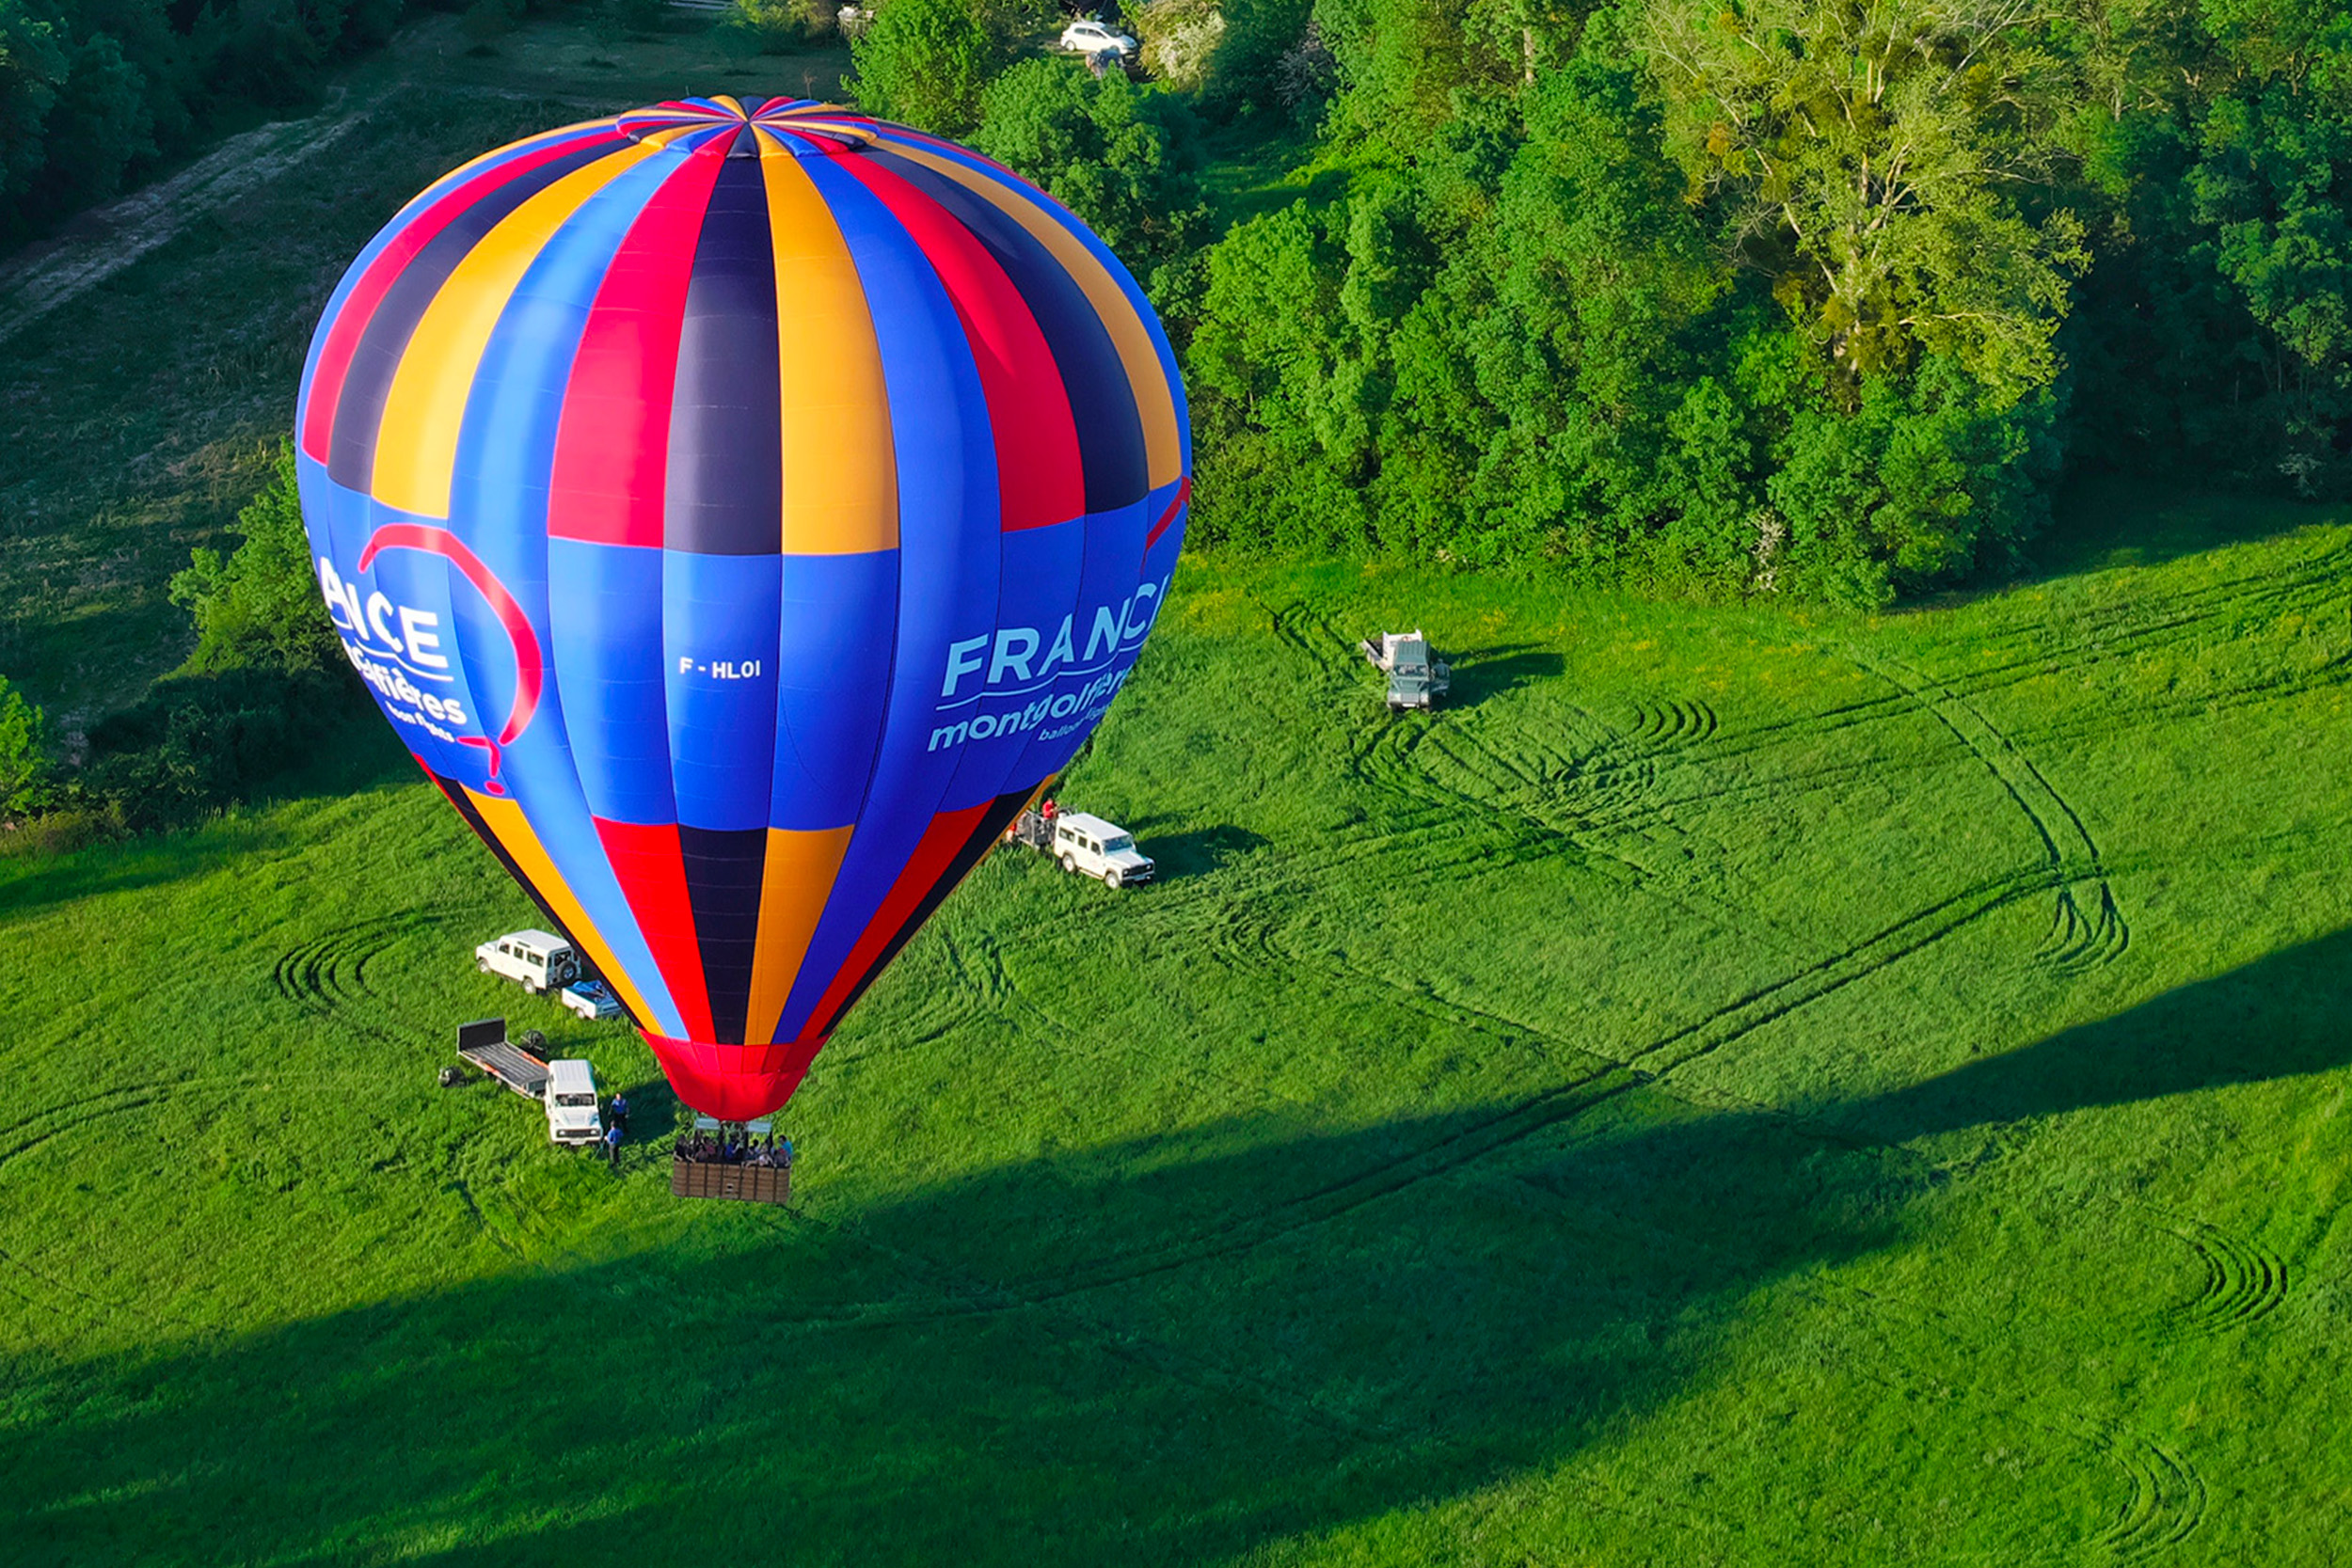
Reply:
x=1112 y=845
x=586 y=1102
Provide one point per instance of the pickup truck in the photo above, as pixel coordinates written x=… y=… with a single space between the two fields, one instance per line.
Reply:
x=590 y=999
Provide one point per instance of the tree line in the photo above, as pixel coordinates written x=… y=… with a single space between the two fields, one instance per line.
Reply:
x=1820 y=297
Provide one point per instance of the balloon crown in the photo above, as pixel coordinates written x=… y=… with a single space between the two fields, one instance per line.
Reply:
x=801 y=126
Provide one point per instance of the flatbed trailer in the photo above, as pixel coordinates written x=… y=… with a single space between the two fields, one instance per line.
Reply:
x=484 y=1044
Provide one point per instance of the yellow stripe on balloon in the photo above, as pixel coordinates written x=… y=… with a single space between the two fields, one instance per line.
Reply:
x=840 y=473
x=505 y=820
x=792 y=891
x=1163 y=443
x=416 y=444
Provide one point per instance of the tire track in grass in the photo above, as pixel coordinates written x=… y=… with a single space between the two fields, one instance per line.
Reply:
x=1502 y=1129
x=2168 y=1498
x=2078 y=941
x=956 y=1295
x=1673 y=722
x=2244 y=1283
x=329 y=975
x=45 y=1126
x=1563 y=803
x=2165 y=1496
x=2099 y=635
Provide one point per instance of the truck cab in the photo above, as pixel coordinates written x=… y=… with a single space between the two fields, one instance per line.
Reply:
x=540 y=960
x=1087 y=844
x=571 y=1097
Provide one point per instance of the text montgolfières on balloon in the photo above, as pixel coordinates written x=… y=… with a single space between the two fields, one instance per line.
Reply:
x=740 y=509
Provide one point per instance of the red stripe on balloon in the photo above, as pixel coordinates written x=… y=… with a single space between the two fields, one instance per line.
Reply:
x=612 y=443
x=647 y=864
x=1183 y=494
x=942 y=841
x=358 y=308
x=530 y=667
x=1040 y=479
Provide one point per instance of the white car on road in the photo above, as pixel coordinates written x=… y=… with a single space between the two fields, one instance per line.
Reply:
x=1092 y=38
x=1099 y=849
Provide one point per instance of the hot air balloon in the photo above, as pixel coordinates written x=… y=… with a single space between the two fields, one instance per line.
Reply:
x=740 y=508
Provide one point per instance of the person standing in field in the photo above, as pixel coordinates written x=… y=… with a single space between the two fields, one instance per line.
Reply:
x=620 y=1113
x=612 y=1136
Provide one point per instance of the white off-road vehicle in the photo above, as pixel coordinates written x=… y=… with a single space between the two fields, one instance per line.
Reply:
x=1094 y=847
x=539 y=960
x=571 y=1096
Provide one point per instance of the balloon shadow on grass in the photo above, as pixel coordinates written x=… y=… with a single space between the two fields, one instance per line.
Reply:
x=1183 y=1348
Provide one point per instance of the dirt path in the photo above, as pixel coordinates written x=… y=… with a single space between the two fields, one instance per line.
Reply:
x=104 y=240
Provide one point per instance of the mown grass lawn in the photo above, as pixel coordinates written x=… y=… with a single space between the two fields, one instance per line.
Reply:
x=1739 y=1086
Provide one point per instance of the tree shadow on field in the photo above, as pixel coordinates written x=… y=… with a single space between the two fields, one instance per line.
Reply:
x=1480 y=674
x=1181 y=1350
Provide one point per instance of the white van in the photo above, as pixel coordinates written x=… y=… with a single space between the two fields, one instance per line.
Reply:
x=572 y=1104
x=1099 y=849
x=540 y=960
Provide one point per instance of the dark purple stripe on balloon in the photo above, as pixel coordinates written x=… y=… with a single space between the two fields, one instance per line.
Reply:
x=724 y=494
x=724 y=872
x=991 y=828
x=1111 y=450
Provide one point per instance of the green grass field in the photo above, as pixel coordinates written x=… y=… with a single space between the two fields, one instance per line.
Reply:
x=1740 y=1086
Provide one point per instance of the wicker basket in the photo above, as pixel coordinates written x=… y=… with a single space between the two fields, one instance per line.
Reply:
x=744 y=1183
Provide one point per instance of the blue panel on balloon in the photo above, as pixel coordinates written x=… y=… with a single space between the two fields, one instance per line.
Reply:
x=719 y=629
x=833 y=644
x=608 y=656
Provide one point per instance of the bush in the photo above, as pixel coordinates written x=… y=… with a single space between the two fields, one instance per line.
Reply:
x=1180 y=40
x=24 y=767
x=781 y=26
x=260 y=606
x=93 y=93
x=198 y=743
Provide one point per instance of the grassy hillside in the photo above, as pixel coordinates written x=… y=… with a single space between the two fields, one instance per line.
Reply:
x=1737 y=1087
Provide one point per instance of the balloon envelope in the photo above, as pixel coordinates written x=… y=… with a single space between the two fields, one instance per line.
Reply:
x=740 y=509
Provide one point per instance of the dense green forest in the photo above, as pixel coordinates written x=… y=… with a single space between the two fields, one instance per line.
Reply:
x=1814 y=296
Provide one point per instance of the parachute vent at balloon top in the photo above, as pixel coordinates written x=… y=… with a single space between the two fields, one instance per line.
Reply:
x=740 y=507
